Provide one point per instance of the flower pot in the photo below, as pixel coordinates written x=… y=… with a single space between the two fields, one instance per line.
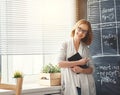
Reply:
x=19 y=82
x=50 y=79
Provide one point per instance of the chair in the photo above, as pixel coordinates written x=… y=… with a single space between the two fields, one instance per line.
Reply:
x=17 y=87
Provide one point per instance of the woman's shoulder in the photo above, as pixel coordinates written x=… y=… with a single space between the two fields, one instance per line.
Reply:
x=67 y=41
x=84 y=45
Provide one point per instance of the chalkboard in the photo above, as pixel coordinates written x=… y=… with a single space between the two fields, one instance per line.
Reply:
x=118 y=29
x=109 y=41
x=104 y=16
x=107 y=75
x=118 y=9
x=119 y=39
x=94 y=12
x=107 y=11
x=96 y=45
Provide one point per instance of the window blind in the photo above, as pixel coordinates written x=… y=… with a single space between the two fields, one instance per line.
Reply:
x=35 y=26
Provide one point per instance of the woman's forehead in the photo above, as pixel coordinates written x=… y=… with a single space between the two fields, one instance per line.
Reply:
x=83 y=26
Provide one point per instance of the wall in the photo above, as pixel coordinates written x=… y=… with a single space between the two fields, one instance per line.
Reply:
x=81 y=9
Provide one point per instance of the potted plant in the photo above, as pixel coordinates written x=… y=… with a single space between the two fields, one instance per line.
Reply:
x=50 y=75
x=19 y=81
x=18 y=76
x=50 y=68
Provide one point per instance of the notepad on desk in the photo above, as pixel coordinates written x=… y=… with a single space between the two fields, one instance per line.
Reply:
x=76 y=57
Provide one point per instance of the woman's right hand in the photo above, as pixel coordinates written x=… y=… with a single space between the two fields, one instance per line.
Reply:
x=83 y=61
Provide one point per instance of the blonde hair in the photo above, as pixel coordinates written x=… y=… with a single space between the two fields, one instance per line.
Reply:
x=88 y=38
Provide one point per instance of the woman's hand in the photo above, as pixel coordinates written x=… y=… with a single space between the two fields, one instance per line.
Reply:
x=77 y=69
x=83 y=61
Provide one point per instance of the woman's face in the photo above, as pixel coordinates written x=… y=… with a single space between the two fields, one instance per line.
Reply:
x=81 y=31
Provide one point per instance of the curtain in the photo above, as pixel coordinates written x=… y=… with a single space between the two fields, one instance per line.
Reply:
x=35 y=26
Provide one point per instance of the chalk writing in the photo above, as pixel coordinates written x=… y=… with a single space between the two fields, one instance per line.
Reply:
x=104 y=0
x=108 y=17
x=108 y=74
x=92 y=2
x=105 y=67
x=108 y=25
x=109 y=39
x=104 y=10
x=110 y=36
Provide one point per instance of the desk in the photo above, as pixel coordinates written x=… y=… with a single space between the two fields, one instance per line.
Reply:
x=35 y=90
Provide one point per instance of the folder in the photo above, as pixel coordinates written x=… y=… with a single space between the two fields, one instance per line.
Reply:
x=76 y=57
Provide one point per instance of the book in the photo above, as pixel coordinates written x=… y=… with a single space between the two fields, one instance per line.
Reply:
x=76 y=57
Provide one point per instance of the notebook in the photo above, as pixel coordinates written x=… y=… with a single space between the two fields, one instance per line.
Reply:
x=76 y=57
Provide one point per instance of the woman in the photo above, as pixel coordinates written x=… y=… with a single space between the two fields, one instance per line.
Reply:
x=75 y=79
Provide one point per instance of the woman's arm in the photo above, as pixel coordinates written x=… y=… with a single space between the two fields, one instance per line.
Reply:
x=87 y=71
x=68 y=64
x=63 y=63
x=90 y=68
x=77 y=69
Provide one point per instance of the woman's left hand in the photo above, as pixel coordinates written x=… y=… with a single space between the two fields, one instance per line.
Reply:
x=77 y=69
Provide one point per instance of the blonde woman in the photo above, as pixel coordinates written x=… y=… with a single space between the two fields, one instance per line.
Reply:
x=75 y=79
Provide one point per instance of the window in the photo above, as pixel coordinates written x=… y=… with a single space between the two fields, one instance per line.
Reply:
x=31 y=32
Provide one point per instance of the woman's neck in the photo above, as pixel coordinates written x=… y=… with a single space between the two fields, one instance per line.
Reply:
x=76 y=40
x=76 y=43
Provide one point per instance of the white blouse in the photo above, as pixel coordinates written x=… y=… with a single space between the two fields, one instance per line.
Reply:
x=71 y=80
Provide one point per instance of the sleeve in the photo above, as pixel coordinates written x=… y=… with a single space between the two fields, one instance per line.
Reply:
x=90 y=63
x=62 y=52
